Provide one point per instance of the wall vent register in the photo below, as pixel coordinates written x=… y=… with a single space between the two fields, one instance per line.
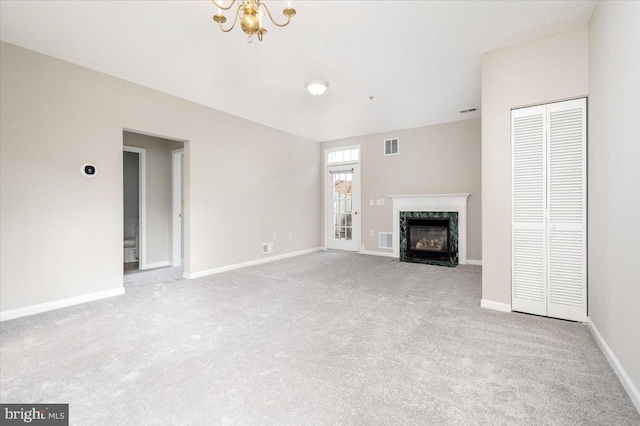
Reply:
x=391 y=146
x=386 y=240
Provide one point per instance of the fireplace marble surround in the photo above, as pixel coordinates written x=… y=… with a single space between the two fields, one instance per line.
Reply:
x=432 y=203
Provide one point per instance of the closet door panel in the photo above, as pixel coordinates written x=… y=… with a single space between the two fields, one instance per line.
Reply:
x=567 y=197
x=528 y=292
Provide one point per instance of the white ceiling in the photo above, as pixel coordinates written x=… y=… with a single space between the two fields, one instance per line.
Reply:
x=419 y=59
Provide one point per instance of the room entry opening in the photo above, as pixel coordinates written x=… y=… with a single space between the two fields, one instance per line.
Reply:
x=343 y=200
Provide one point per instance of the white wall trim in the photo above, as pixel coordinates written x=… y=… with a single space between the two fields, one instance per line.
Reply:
x=57 y=304
x=191 y=275
x=142 y=195
x=432 y=203
x=157 y=265
x=377 y=253
x=624 y=378
x=474 y=262
x=495 y=306
x=176 y=206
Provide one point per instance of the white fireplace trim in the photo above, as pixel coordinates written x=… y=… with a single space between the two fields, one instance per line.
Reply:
x=432 y=203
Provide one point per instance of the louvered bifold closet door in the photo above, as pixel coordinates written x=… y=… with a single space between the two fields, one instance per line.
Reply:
x=528 y=292
x=567 y=198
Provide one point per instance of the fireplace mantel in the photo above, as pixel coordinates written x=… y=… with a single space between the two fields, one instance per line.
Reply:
x=432 y=203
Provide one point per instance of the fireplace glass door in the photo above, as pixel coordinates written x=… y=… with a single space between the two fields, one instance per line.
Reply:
x=427 y=238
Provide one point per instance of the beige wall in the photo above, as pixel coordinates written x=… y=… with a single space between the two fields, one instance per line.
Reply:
x=159 y=190
x=62 y=233
x=614 y=180
x=440 y=159
x=543 y=70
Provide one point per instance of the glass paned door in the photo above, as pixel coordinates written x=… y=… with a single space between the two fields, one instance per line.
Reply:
x=343 y=208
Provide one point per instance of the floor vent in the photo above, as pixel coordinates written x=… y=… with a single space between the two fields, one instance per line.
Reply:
x=386 y=240
x=391 y=146
x=267 y=248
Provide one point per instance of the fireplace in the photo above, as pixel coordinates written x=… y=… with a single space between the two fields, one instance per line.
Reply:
x=429 y=237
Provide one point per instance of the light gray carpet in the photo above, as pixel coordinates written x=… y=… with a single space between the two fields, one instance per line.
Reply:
x=326 y=338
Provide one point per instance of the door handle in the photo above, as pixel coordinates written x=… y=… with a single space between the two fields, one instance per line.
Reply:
x=355 y=212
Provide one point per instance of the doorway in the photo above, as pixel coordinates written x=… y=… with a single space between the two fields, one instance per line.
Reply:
x=177 y=203
x=134 y=162
x=343 y=199
x=154 y=236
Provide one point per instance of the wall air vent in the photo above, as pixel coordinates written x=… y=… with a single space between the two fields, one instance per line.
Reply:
x=391 y=146
x=464 y=111
x=267 y=248
x=386 y=240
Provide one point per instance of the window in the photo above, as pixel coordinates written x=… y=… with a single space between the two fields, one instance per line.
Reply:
x=343 y=155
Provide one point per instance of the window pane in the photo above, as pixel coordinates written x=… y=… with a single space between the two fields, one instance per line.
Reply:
x=348 y=234
x=332 y=157
x=338 y=156
x=347 y=155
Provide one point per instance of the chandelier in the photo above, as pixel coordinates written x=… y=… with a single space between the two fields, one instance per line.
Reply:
x=250 y=16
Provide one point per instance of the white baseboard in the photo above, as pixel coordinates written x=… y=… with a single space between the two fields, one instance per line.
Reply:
x=496 y=306
x=474 y=262
x=57 y=304
x=191 y=275
x=624 y=378
x=155 y=265
x=377 y=253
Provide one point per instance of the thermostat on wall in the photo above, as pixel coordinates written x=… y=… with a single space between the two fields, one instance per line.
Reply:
x=89 y=170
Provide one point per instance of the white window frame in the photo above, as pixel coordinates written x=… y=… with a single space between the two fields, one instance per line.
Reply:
x=341 y=148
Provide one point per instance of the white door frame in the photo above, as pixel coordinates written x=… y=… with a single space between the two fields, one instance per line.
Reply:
x=328 y=227
x=142 y=202
x=176 y=206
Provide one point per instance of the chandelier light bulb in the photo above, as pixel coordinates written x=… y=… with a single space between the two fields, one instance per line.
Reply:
x=250 y=14
x=317 y=87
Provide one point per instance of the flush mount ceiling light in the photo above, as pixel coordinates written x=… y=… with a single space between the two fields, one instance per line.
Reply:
x=250 y=16
x=317 y=87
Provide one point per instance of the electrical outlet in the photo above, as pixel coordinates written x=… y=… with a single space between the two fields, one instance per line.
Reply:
x=275 y=236
x=370 y=202
x=377 y=202
x=290 y=234
x=372 y=233
x=382 y=201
